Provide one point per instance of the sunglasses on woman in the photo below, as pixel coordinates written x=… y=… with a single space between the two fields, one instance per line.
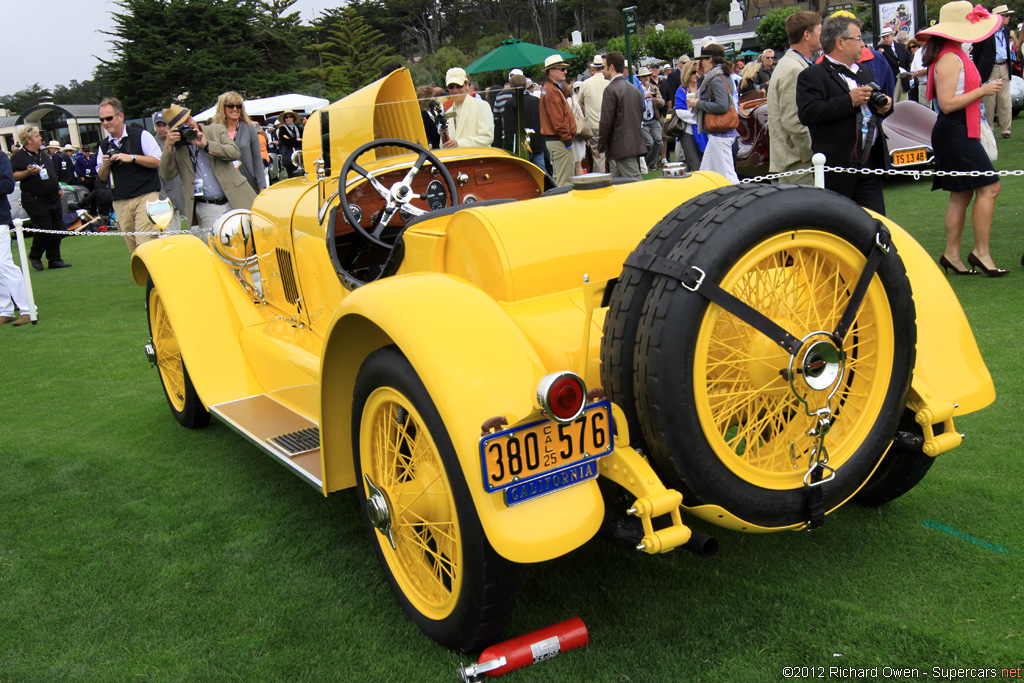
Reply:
x=232 y=106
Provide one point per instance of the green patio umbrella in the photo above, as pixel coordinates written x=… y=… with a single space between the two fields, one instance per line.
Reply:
x=748 y=53
x=514 y=53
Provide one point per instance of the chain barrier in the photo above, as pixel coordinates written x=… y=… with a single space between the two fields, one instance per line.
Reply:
x=915 y=174
x=109 y=233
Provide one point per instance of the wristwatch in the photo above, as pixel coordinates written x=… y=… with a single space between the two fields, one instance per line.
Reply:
x=133 y=158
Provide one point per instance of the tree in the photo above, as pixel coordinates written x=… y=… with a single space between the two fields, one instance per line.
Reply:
x=190 y=51
x=26 y=98
x=772 y=29
x=354 y=55
x=668 y=45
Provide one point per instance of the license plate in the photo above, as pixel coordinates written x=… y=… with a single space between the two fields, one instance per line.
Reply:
x=909 y=157
x=538 y=450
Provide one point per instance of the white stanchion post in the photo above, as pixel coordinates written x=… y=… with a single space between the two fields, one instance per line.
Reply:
x=23 y=255
x=819 y=169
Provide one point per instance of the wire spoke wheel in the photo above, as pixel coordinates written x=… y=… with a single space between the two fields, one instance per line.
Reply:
x=401 y=459
x=185 y=403
x=724 y=419
x=168 y=356
x=753 y=420
x=420 y=515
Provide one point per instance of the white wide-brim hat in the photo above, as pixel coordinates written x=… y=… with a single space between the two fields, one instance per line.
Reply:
x=961 y=22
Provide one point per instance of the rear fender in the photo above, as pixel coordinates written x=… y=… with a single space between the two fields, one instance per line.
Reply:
x=476 y=364
x=949 y=368
x=207 y=309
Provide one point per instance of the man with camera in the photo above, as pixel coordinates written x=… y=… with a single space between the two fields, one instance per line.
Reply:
x=206 y=159
x=842 y=108
x=129 y=158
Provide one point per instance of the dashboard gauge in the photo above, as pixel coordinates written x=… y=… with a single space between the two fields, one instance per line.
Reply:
x=437 y=196
x=357 y=212
x=405 y=215
x=469 y=199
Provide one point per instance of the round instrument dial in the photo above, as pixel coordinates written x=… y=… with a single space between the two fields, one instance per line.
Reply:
x=437 y=196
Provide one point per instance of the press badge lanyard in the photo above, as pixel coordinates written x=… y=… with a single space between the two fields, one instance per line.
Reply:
x=197 y=182
x=38 y=158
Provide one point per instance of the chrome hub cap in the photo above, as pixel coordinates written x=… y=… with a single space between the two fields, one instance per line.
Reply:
x=378 y=510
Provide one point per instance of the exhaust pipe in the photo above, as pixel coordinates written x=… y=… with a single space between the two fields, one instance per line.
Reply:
x=702 y=544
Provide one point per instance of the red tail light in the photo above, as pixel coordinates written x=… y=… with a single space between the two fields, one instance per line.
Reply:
x=562 y=396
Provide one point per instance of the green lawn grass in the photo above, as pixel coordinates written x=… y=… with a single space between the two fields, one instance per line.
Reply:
x=134 y=550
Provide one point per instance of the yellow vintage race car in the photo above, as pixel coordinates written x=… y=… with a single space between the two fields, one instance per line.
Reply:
x=503 y=370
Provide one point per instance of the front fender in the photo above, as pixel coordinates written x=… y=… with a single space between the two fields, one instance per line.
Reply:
x=206 y=308
x=949 y=363
x=476 y=364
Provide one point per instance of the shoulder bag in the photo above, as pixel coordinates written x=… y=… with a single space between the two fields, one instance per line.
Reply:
x=723 y=123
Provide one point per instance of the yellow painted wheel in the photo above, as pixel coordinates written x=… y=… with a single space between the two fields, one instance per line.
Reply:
x=185 y=404
x=756 y=425
x=726 y=418
x=168 y=355
x=419 y=512
x=398 y=455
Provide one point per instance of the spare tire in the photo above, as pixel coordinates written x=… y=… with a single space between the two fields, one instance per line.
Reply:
x=721 y=420
x=625 y=305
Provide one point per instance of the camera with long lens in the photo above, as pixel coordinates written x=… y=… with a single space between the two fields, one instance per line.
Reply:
x=877 y=99
x=188 y=134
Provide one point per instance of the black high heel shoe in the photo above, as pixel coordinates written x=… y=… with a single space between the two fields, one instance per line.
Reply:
x=991 y=272
x=946 y=266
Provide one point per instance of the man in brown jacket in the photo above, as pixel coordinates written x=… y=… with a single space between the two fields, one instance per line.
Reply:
x=557 y=124
x=621 y=107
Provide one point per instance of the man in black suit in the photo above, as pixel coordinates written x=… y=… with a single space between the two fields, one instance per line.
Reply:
x=898 y=56
x=992 y=57
x=832 y=99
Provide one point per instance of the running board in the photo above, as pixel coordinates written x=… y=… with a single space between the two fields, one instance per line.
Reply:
x=282 y=433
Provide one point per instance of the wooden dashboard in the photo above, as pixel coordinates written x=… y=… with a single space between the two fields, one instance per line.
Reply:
x=477 y=179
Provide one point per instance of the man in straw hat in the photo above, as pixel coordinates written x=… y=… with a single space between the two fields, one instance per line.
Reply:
x=832 y=100
x=650 y=120
x=205 y=164
x=557 y=124
x=992 y=57
x=590 y=96
x=129 y=158
x=471 y=123
x=898 y=57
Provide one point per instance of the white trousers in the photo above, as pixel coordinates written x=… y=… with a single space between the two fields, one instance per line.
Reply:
x=718 y=158
x=12 y=286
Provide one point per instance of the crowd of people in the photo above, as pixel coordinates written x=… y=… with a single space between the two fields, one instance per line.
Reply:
x=828 y=93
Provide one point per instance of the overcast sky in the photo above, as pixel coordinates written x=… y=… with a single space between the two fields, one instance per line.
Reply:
x=51 y=42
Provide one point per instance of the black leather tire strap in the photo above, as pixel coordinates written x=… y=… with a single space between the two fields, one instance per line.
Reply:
x=883 y=242
x=693 y=279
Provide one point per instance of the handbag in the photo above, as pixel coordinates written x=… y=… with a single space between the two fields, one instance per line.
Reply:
x=583 y=129
x=674 y=127
x=988 y=141
x=723 y=123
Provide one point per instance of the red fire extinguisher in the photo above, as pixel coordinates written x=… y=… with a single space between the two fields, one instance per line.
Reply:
x=529 y=649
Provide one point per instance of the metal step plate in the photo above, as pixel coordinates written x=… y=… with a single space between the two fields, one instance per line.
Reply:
x=288 y=437
x=302 y=441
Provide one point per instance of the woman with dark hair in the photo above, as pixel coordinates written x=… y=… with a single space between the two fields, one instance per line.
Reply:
x=231 y=114
x=955 y=83
x=432 y=115
x=715 y=96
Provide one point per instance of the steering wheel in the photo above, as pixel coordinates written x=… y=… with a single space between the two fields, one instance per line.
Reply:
x=399 y=196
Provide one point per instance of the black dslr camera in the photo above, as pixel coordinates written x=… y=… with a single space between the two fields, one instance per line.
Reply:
x=188 y=134
x=877 y=99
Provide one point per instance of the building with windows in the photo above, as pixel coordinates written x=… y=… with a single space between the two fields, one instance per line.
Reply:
x=74 y=124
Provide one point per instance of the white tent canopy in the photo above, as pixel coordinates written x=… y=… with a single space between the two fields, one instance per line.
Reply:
x=303 y=105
